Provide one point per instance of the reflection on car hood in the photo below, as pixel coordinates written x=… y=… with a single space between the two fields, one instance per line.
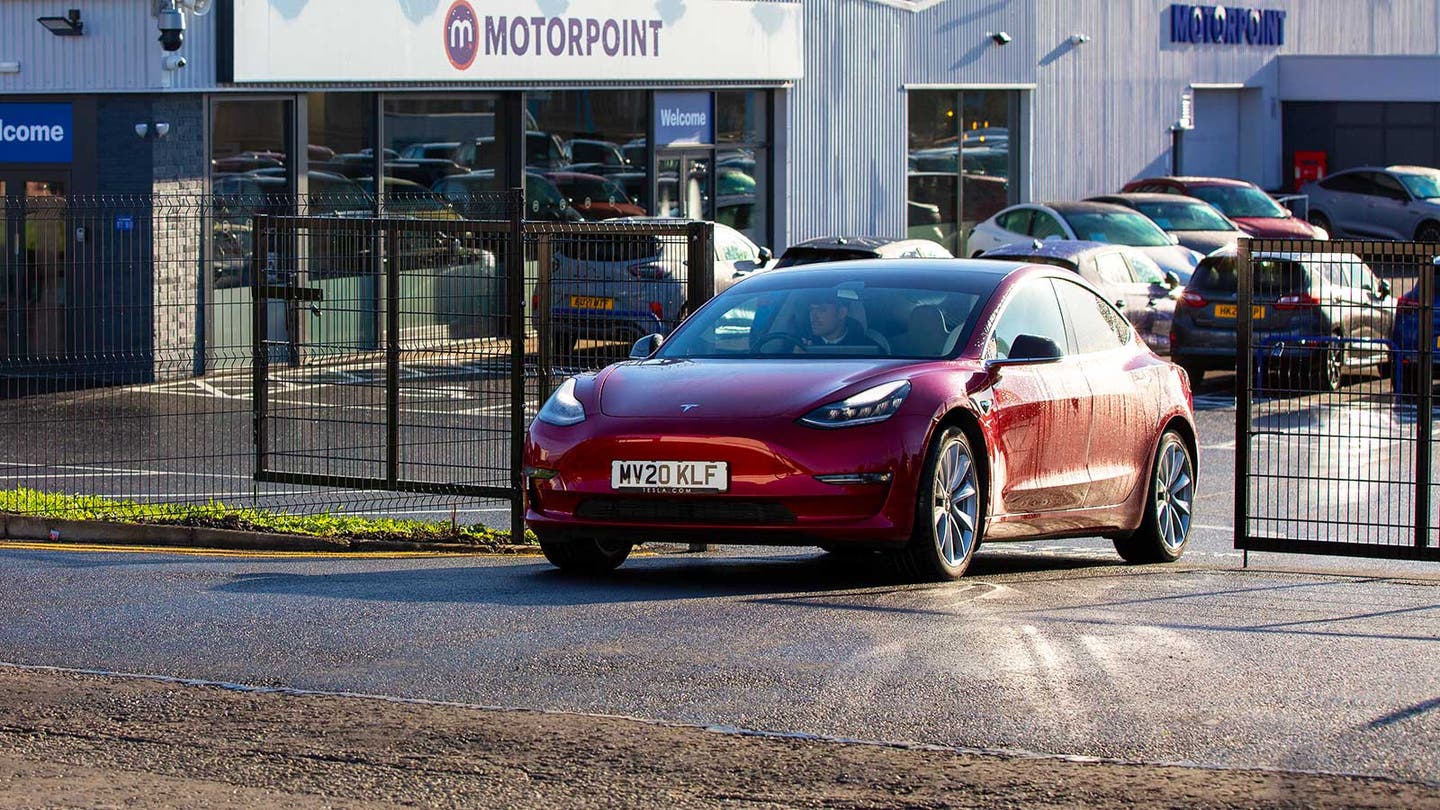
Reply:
x=1177 y=259
x=728 y=389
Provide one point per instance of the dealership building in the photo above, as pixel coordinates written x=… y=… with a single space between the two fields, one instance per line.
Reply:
x=786 y=119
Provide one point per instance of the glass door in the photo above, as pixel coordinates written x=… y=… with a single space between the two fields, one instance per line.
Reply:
x=34 y=240
x=685 y=185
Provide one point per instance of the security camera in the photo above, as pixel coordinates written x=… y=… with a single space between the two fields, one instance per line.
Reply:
x=172 y=28
x=173 y=61
x=1001 y=38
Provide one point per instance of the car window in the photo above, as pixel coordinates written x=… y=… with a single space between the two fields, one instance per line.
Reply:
x=1272 y=276
x=1183 y=216
x=1017 y=221
x=730 y=248
x=1117 y=228
x=1144 y=269
x=1240 y=201
x=1045 y=226
x=1112 y=268
x=1095 y=325
x=1349 y=183
x=1389 y=188
x=1424 y=185
x=1032 y=310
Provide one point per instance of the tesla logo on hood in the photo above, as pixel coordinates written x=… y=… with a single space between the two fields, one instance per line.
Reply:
x=689 y=407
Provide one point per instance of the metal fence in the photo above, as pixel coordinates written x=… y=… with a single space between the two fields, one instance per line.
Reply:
x=1334 y=419
x=305 y=355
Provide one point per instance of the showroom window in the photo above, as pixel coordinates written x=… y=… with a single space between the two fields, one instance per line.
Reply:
x=741 y=161
x=961 y=161
x=587 y=148
x=443 y=147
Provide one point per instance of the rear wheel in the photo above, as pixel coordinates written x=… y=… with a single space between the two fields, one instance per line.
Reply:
x=584 y=555
x=1165 y=529
x=1428 y=232
x=948 y=512
x=1330 y=367
x=1319 y=220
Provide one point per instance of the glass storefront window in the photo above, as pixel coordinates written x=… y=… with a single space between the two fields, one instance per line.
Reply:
x=740 y=117
x=960 y=162
x=447 y=148
x=339 y=148
x=587 y=146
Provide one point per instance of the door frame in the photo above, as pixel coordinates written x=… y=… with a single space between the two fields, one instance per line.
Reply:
x=686 y=155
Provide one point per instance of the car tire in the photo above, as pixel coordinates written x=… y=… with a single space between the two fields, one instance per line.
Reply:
x=584 y=555
x=949 y=511
x=1319 y=220
x=1193 y=369
x=1165 y=528
x=1428 y=232
x=1329 y=368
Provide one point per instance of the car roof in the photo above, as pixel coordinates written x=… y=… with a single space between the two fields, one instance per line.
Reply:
x=1229 y=251
x=1197 y=181
x=1050 y=249
x=889 y=270
x=1406 y=168
x=846 y=242
x=1146 y=197
x=1080 y=207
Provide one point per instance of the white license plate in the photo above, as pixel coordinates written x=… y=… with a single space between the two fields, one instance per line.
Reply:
x=670 y=476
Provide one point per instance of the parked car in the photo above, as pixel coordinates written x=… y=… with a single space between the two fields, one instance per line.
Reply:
x=1246 y=204
x=622 y=286
x=1328 y=309
x=1017 y=404
x=849 y=248
x=476 y=196
x=1197 y=224
x=545 y=151
x=1391 y=202
x=1127 y=278
x=595 y=197
x=604 y=153
x=1095 y=222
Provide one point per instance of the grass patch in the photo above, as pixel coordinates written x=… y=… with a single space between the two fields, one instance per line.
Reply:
x=216 y=515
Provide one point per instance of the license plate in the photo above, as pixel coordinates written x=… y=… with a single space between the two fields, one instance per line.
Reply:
x=1231 y=310
x=591 y=302
x=670 y=476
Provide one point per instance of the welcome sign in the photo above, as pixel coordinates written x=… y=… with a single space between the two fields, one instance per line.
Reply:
x=511 y=40
x=684 y=119
x=36 y=133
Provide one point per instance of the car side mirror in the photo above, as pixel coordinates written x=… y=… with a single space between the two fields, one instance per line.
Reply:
x=763 y=257
x=646 y=346
x=1383 y=288
x=1033 y=349
x=1171 y=280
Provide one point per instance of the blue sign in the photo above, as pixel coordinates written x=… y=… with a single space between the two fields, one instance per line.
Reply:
x=36 y=133
x=124 y=222
x=684 y=119
x=1226 y=25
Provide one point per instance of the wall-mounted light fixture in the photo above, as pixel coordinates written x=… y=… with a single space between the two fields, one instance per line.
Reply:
x=1079 y=39
x=1000 y=37
x=67 y=26
x=157 y=130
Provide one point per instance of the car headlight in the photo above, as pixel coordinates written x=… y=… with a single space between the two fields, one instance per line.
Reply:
x=865 y=408
x=562 y=408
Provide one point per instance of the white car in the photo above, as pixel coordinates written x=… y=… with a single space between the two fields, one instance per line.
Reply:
x=1096 y=222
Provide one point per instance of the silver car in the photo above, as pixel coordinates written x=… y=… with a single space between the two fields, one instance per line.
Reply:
x=1392 y=202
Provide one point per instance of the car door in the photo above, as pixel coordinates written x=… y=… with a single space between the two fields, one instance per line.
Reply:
x=1361 y=204
x=1040 y=412
x=1130 y=296
x=1356 y=303
x=735 y=257
x=1390 y=212
x=1343 y=198
x=1006 y=227
x=1121 y=414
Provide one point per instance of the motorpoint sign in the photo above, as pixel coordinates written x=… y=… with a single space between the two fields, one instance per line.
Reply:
x=36 y=133
x=515 y=41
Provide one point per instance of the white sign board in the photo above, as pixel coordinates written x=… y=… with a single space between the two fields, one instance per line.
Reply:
x=1187 y=109
x=516 y=40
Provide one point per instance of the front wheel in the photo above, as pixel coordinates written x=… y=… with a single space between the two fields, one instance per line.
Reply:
x=1165 y=529
x=1429 y=232
x=584 y=555
x=1319 y=220
x=948 y=512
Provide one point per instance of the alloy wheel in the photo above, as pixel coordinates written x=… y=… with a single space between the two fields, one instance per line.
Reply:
x=1174 y=493
x=955 y=513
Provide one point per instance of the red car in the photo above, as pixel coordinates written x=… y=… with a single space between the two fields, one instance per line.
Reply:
x=594 y=196
x=1247 y=204
x=910 y=406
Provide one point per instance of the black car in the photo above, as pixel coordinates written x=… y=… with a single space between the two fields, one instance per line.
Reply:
x=846 y=248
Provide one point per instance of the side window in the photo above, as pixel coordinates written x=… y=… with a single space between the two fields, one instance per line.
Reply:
x=1096 y=325
x=1112 y=268
x=1389 y=188
x=1145 y=270
x=1032 y=310
x=730 y=249
x=1045 y=226
x=1017 y=221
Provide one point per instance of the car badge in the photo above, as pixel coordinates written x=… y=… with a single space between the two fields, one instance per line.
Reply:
x=687 y=408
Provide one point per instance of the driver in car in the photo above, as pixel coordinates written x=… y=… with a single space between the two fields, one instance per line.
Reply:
x=831 y=324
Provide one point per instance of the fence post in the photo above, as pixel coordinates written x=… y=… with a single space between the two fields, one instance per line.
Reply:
x=392 y=356
x=699 y=265
x=260 y=348
x=1424 y=403
x=1244 y=389
x=544 y=316
x=515 y=271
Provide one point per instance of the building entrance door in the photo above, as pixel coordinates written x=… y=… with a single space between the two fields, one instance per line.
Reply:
x=34 y=241
x=685 y=185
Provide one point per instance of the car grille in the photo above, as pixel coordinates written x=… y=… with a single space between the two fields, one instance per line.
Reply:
x=652 y=510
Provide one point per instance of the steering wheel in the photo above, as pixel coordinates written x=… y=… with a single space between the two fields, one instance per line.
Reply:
x=792 y=340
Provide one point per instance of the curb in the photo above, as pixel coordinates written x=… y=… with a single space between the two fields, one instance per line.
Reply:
x=104 y=532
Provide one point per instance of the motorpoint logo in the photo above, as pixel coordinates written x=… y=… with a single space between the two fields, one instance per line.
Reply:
x=462 y=35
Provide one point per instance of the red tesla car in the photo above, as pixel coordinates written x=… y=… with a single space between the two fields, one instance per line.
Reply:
x=912 y=406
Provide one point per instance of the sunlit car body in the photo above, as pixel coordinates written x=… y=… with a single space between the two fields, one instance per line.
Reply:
x=1124 y=275
x=1378 y=202
x=850 y=248
x=1090 y=221
x=1245 y=203
x=975 y=420
x=1197 y=224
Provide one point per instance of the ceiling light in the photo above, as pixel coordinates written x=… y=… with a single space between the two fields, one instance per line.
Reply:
x=67 y=26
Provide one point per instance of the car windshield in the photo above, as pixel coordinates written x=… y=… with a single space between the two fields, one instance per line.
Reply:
x=1423 y=185
x=1183 y=216
x=1272 y=276
x=1240 y=201
x=800 y=319
x=1116 y=228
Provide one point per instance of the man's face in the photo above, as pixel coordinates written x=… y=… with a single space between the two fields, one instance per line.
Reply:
x=827 y=320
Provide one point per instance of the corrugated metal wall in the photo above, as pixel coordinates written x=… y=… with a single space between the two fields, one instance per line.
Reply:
x=1102 y=110
x=118 y=52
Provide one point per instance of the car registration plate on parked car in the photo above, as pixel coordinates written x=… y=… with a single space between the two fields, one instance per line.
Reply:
x=1231 y=310
x=670 y=476
x=591 y=302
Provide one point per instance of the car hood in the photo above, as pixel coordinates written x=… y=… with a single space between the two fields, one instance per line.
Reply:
x=1207 y=242
x=729 y=389
x=1276 y=227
